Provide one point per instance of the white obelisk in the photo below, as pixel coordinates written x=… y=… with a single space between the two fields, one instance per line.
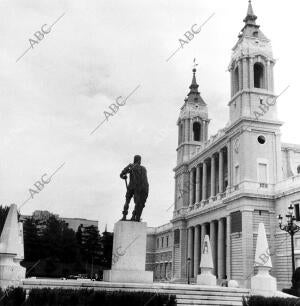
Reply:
x=263 y=283
x=11 y=251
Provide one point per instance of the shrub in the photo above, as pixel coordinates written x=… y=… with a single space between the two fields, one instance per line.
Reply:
x=257 y=300
x=83 y=297
x=66 y=297
x=12 y=296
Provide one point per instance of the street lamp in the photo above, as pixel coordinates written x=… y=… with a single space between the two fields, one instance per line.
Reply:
x=290 y=227
x=188 y=265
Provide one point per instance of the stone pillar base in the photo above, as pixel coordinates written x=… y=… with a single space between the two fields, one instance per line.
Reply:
x=206 y=278
x=263 y=283
x=129 y=254
x=124 y=276
x=11 y=273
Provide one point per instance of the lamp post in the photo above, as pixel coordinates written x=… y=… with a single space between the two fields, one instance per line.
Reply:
x=290 y=227
x=188 y=266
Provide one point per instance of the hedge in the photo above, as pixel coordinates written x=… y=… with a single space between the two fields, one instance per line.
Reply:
x=257 y=300
x=84 y=297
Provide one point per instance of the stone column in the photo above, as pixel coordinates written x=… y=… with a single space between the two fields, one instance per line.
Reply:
x=196 y=250
x=203 y=130
x=229 y=165
x=204 y=182
x=267 y=76
x=191 y=130
x=212 y=176
x=198 y=184
x=251 y=73
x=231 y=82
x=240 y=75
x=191 y=249
x=221 y=249
x=247 y=245
x=186 y=130
x=228 y=247
x=191 y=186
x=213 y=243
x=245 y=74
x=221 y=183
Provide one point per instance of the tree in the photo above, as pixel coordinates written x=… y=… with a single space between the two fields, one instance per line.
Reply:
x=32 y=241
x=91 y=247
x=70 y=251
x=107 y=246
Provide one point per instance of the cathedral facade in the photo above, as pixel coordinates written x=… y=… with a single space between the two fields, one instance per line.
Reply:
x=228 y=183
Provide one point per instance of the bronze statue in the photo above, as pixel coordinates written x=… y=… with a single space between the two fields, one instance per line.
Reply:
x=137 y=188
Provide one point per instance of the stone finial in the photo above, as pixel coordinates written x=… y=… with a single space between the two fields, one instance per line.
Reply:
x=206 y=255
x=9 y=242
x=262 y=252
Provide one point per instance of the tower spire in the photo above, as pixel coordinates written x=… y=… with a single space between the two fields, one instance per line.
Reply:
x=251 y=17
x=194 y=86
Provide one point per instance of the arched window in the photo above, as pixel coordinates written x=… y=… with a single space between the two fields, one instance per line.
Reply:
x=258 y=70
x=197 y=131
x=236 y=80
x=298 y=169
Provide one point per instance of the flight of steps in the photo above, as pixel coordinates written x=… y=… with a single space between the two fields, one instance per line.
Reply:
x=186 y=295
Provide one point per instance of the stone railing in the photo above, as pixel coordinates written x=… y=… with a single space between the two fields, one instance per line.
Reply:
x=287 y=184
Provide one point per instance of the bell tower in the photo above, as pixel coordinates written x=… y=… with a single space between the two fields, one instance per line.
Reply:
x=251 y=70
x=192 y=124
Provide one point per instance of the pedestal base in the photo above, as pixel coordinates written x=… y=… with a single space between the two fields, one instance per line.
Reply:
x=263 y=283
x=129 y=254
x=125 y=276
x=11 y=273
x=206 y=278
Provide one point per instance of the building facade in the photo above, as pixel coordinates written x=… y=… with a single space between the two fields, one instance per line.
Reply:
x=225 y=185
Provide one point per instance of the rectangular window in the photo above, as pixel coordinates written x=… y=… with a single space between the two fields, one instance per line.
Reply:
x=297 y=243
x=162 y=242
x=177 y=236
x=236 y=222
x=262 y=173
x=167 y=241
x=297 y=212
x=157 y=243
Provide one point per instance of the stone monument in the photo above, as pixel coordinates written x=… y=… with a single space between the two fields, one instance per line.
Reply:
x=129 y=254
x=129 y=244
x=11 y=250
x=206 y=265
x=263 y=283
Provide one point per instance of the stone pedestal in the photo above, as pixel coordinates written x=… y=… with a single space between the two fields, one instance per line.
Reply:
x=129 y=254
x=206 y=277
x=11 y=272
x=263 y=283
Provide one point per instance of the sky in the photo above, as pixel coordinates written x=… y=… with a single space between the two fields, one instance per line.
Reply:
x=98 y=53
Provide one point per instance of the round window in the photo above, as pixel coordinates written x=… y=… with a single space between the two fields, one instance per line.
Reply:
x=261 y=139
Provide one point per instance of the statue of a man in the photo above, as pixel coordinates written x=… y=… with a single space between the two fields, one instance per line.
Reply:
x=137 y=188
